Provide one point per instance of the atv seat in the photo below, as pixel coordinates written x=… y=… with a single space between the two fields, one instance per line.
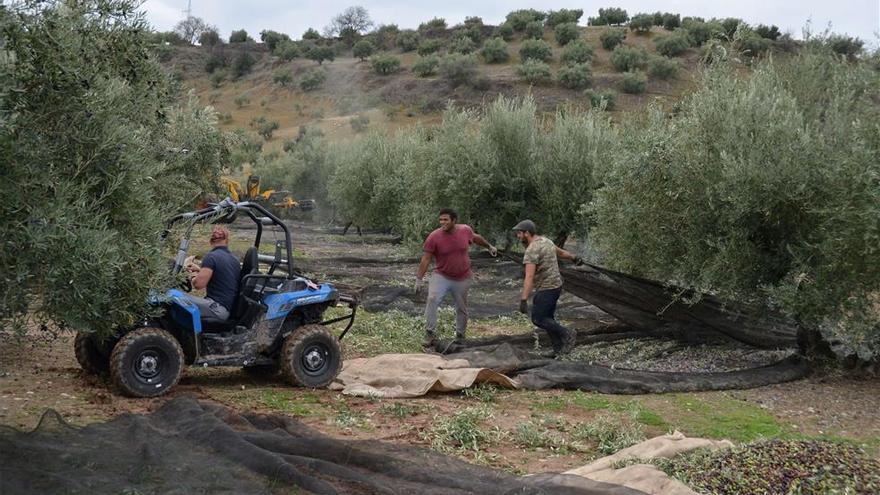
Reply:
x=246 y=306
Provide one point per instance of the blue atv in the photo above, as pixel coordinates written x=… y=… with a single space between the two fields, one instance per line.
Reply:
x=276 y=324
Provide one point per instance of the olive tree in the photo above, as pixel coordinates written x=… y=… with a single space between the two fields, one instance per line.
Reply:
x=97 y=151
x=784 y=213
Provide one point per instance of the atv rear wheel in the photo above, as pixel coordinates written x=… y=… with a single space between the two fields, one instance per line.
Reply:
x=147 y=362
x=311 y=357
x=88 y=354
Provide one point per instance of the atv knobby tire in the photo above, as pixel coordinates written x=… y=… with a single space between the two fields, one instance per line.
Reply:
x=89 y=355
x=311 y=357
x=146 y=362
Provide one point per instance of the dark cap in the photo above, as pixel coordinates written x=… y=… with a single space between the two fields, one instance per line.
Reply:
x=526 y=226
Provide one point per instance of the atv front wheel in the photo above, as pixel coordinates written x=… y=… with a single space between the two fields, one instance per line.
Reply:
x=147 y=362
x=311 y=357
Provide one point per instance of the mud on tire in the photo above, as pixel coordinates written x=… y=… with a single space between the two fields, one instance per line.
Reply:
x=146 y=362
x=311 y=357
x=88 y=354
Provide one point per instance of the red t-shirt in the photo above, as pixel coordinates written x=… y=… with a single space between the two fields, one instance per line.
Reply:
x=450 y=250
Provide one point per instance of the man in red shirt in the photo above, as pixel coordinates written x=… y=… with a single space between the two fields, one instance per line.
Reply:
x=448 y=247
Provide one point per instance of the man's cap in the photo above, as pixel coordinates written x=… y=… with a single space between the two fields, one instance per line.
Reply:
x=526 y=226
x=219 y=234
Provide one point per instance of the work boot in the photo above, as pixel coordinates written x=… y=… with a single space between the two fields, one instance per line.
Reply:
x=568 y=343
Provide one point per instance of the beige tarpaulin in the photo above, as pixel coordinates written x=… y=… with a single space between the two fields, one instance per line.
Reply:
x=645 y=477
x=412 y=375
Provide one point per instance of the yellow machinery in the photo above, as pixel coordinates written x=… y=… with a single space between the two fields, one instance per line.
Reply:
x=270 y=197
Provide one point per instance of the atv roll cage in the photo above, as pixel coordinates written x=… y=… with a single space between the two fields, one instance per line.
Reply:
x=227 y=211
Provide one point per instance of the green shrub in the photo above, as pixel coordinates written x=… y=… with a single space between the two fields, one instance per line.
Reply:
x=385 y=64
x=243 y=64
x=426 y=66
x=567 y=32
x=312 y=80
x=215 y=61
x=434 y=25
x=473 y=22
x=428 y=47
x=321 y=53
x=210 y=37
x=535 y=72
x=634 y=82
x=562 y=16
x=579 y=52
x=671 y=21
x=267 y=128
x=240 y=36
x=459 y=69
x=730 y=25
x=217 y=78
x=495 y=51
x=462 y=44
x=363 y=49
x=519 y=19
x=287 y=50
x=359 y=123
x=535 y=49
x=845 y=45
x=311 y=34
x=576 y=76
x=272 y=38
x=163 y=53
x=768 y=32
x=385 y=36
x=641 y=23
x=282 y=77
x=504 y=31
x=625 y=58
x=672 y=45
x=610 y=38
x=611 y=16
x=407 y=40
x=663 y=68
x=242 y=101
x=534 y=30
x=752 y=45
x=701 y=32
x=606 y=97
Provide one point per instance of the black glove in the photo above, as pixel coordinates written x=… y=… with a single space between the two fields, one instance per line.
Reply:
x=524 y=306
x=578 y=260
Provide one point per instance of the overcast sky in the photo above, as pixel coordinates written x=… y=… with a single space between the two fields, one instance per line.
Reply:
x=855 y=17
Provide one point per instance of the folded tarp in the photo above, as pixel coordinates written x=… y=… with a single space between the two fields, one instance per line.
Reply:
x=412 y=375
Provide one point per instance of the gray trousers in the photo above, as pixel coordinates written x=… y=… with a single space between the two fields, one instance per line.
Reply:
x=438 y=286
x=210 y=309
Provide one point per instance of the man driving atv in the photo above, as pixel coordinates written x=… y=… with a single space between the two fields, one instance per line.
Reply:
x=219 y=273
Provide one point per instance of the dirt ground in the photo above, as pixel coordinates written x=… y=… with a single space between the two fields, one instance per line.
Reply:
x=521 y=431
